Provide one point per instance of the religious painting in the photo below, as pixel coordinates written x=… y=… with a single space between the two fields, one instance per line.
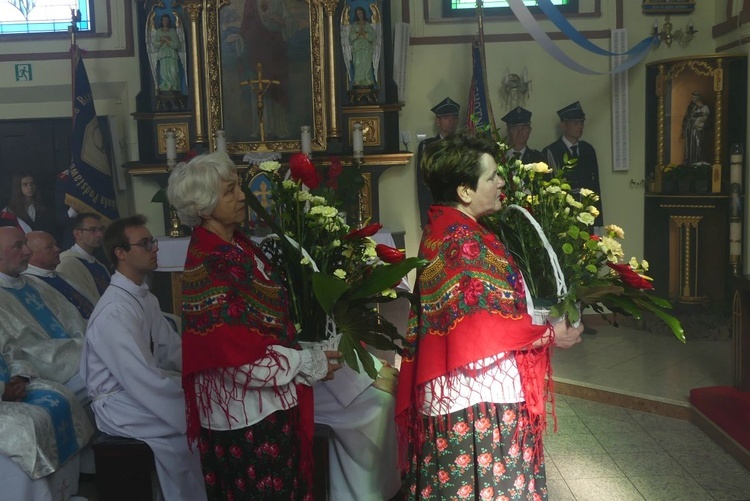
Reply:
x=260 y=186
x=265 y=73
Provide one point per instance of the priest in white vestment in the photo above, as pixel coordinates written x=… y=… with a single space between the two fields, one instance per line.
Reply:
x=37 y=325
x=44 y=428
x=78 y=264
x=132 y=360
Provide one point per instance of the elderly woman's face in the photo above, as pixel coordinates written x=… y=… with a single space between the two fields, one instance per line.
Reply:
x=486 y=198
x=230 y=209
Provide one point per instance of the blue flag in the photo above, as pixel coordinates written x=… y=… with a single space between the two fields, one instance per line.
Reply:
x=88 y=185
x=479 y=113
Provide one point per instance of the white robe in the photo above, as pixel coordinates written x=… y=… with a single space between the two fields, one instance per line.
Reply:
x=75 y=272
x=22 y=337
x=363 y=452
x=136 y=393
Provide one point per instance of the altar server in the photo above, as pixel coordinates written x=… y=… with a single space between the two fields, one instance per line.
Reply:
x=132 y=362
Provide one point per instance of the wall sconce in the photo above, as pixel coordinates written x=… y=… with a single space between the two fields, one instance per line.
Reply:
x=515 y=88
x=666 y=35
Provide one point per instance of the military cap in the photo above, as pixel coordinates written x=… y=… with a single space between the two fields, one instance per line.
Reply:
x=572 y=112
x=517 y=116
x=446 y=107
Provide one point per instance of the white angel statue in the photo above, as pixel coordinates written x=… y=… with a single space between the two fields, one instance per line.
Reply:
x=361 y=44
x=166 y=52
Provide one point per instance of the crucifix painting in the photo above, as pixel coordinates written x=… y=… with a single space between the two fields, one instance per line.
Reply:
x=267 y=70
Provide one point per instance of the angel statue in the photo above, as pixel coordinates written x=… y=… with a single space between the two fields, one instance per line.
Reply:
x=361 y=43
x=166 y=53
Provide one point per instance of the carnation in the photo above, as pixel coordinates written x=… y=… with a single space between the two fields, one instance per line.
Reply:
x=269 y=166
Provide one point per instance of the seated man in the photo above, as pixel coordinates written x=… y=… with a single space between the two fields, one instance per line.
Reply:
x=37 y=324
x=132 y=360
x=78 y=264
x=45 y=256
x=44 y=428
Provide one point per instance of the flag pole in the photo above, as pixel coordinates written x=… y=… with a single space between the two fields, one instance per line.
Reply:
x=480 y=37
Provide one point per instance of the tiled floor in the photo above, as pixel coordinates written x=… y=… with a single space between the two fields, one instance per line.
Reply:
x=603 y=452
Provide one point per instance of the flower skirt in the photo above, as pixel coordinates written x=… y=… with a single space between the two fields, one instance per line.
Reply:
x=484 y=452
x=259 y=462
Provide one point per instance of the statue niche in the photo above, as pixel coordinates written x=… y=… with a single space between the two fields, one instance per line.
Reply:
x=165 y=44
x=361 y=46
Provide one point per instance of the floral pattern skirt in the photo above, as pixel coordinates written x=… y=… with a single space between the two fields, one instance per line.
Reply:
x=259 y=462
x=484 y=452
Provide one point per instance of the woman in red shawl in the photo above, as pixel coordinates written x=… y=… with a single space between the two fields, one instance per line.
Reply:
x=247 y=383
x=472 y=393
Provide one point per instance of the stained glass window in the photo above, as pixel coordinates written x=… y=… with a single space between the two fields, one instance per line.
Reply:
x=41 y=16
x=465 y=8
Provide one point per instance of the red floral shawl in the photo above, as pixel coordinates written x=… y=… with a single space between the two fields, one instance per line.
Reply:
x=231 y=314
x=472 y=307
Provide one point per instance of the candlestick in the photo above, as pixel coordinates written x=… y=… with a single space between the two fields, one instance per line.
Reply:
x=358 y=141
x=171 y=146
x=306 y=140
x=221 y=140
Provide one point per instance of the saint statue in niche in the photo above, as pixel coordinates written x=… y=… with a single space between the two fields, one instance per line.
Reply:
x=694 y=128
x=166 y=52
x=361 y=44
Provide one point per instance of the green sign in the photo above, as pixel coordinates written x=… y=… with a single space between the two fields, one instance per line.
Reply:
x=23 y=73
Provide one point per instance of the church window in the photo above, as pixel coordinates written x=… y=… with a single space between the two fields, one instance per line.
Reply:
x=31 y=17
x=467 y=8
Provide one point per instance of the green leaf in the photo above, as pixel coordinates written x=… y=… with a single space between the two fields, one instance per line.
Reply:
x=328 y=289
x=567 y=248
x=385 y=277
x=160 y=197
x=573 y=231
x=668 y=319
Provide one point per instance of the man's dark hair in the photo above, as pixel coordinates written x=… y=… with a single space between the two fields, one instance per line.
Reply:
x=115 y=237
x=78 y=220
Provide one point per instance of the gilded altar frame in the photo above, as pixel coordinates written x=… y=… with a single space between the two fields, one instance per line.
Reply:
x=227 y=63
x=675 y=82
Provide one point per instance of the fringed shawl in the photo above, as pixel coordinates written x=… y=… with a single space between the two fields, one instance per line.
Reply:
x=231 y=314
x=472 y=307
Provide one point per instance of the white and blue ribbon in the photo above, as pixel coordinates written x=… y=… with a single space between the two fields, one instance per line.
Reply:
x=522 y=13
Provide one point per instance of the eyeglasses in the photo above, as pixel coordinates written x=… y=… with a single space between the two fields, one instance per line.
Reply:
x=94 y=229
x=146 y=244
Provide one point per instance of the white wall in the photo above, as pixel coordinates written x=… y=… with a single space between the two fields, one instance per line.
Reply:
x=436 y=71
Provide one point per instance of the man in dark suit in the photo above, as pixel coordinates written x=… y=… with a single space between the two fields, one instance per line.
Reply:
x=446 y=119
x=518 y=122
x=585 y=173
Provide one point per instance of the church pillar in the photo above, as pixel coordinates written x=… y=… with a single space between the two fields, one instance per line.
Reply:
x=333 y=127
x=193 y=9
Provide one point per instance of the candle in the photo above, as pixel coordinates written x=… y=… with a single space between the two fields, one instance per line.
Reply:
x=171 y=144
x=221 y=141
x=306 y=140
x=358 y=141
x=735 y=173
x=735 y=238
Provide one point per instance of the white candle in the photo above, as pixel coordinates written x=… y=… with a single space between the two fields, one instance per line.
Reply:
x=221 y=141
x=171 y=144
x=306 y=139
x=735 y=238
x=358 y=141
x=735 y=173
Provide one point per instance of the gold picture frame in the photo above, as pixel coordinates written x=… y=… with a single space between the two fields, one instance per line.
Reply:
x=290 y=77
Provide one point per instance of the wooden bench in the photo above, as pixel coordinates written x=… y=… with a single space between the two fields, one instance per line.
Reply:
x=125 y=469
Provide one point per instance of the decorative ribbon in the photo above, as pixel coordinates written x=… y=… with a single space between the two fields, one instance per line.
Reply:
x=531 y=25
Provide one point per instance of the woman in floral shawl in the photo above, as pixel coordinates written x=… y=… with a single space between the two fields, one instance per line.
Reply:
x=247 y=384
x=472 y=391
